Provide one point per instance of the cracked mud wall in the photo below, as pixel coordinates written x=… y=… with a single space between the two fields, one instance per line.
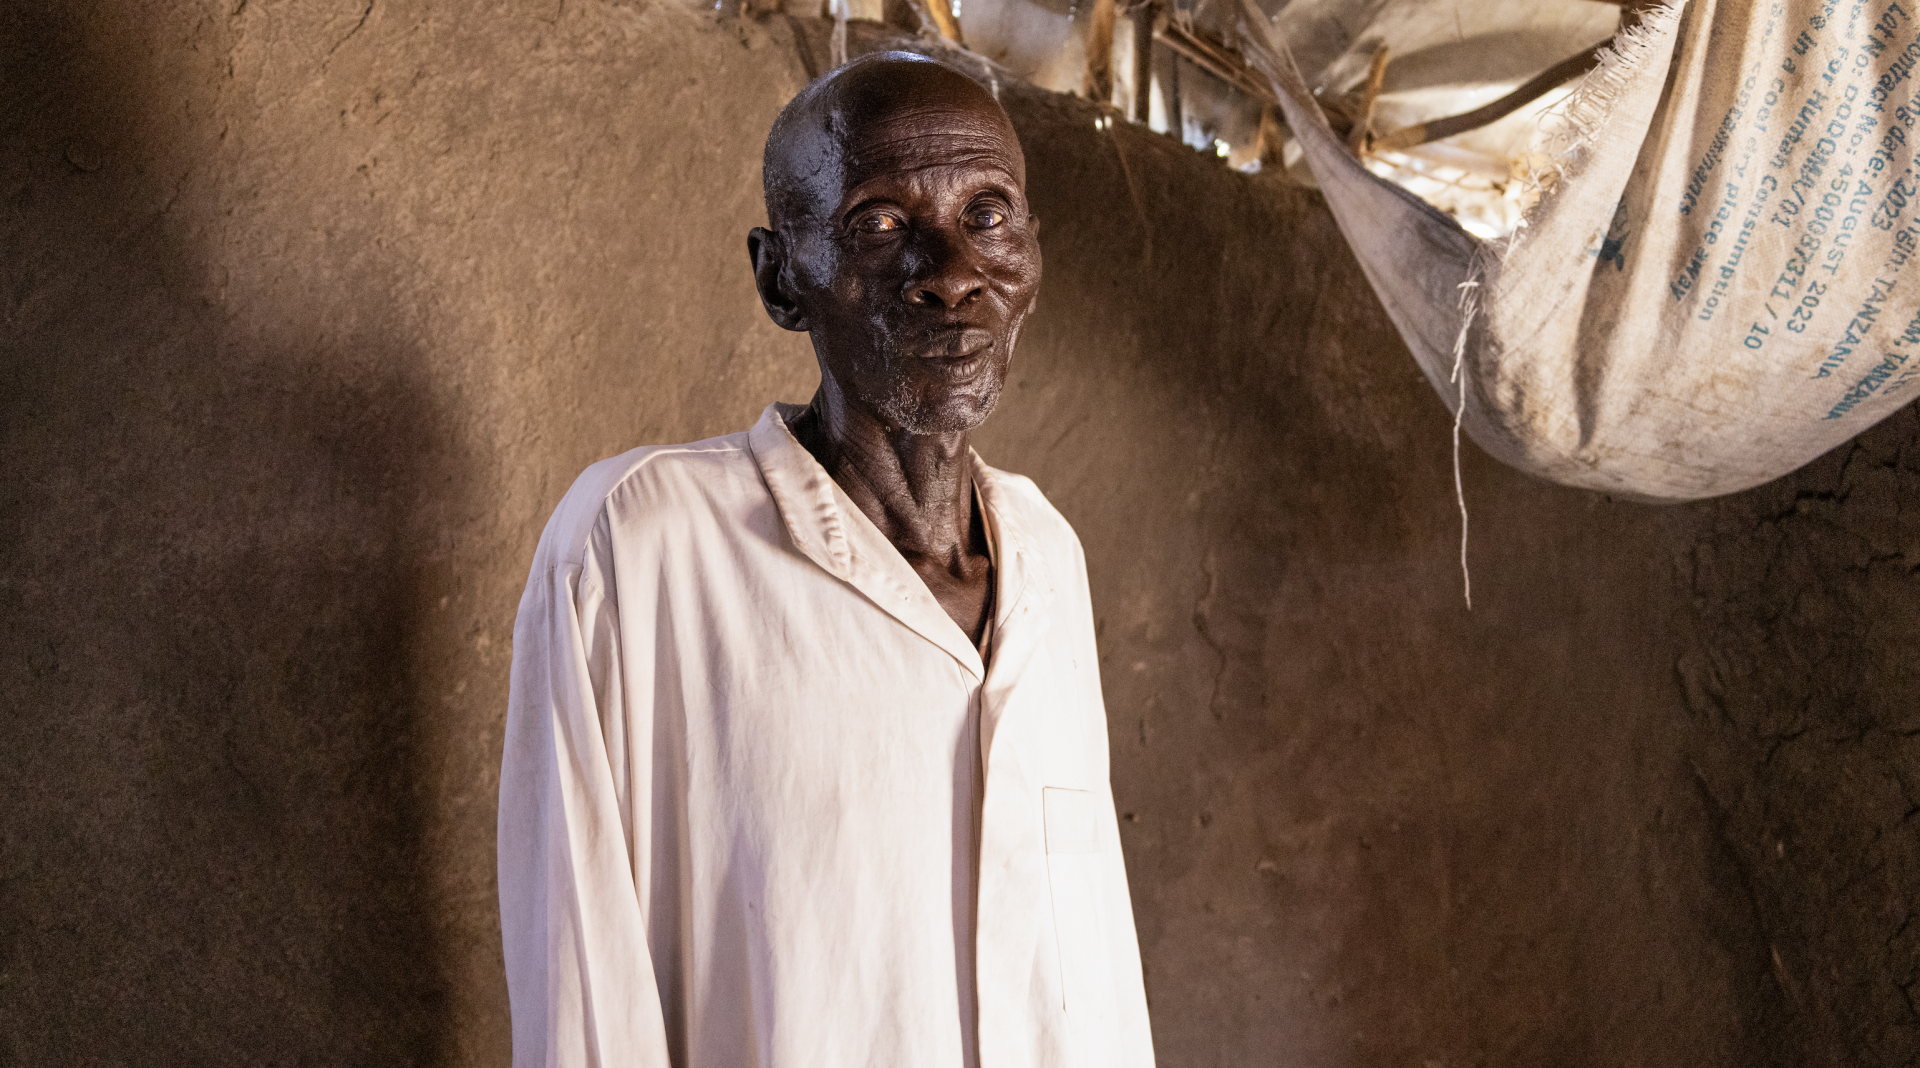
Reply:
x=1801 y=621
x=312 y=311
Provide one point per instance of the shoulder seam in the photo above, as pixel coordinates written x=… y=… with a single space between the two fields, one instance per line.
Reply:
x=571 y=550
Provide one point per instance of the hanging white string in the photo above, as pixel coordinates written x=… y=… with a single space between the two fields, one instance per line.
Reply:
x=1468 y=305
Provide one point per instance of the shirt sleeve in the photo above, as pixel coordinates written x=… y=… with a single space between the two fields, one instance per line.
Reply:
x=1132 y=1035
x=580 y=979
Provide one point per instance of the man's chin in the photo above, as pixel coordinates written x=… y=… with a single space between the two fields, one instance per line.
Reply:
x=952 y=414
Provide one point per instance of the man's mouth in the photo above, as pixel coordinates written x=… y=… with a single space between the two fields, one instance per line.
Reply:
x=956 y=344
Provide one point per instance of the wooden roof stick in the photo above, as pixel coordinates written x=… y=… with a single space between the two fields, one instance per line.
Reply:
x=1434 y=129
x=1224 y=62
x=1143 y=16
x=1099 y=53
x=941 y=11
x=1217 y=58
x=1363 y=117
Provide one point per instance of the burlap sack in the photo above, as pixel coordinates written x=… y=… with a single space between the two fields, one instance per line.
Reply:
x=1713 y=292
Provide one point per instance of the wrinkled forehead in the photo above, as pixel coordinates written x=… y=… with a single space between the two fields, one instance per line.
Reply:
x=926 y=139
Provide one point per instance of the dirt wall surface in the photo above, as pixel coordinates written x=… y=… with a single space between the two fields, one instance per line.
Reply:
x=311 y=312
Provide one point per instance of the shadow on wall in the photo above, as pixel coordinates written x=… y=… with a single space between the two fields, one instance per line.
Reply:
x=210 y=836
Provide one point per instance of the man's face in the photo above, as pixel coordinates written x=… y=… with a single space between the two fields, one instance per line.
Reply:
x=917 y=261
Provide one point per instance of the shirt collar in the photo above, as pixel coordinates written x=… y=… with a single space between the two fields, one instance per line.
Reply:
x=805 y=494
x=826 y=527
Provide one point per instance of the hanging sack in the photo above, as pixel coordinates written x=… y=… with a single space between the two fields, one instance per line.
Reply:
x=1716 y=288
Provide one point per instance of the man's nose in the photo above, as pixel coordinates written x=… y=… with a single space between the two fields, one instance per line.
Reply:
x=949 y=272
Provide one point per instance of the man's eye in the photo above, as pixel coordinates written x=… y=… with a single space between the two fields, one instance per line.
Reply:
x=877 y=223
x=988 y=218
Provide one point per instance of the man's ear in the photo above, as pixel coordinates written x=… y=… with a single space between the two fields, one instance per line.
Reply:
x=769 y=255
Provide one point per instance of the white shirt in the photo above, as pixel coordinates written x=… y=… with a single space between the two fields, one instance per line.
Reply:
x=739 y=819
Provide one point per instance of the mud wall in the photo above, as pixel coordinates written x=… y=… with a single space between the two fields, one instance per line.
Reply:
x=312 y=311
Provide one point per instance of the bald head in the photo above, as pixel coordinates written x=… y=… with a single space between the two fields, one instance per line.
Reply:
x=819 y=145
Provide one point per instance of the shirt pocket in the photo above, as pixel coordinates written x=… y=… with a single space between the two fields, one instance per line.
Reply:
x=1072 y=821
x=1075 y=866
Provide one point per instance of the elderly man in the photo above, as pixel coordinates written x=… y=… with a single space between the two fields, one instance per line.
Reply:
x=806 y=760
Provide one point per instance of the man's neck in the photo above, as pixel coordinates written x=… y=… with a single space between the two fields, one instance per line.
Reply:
x=916 y=488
